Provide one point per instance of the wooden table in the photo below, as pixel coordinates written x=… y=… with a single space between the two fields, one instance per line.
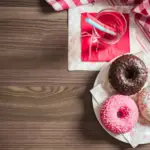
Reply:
x=42 y=105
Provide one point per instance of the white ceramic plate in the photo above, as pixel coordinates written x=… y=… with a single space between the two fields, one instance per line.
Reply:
x=101 y=78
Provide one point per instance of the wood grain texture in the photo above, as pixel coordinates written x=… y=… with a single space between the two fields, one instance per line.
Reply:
x=50 y=117
x=42 y=105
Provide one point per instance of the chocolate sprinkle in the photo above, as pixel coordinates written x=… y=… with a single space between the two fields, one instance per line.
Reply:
x=128 y=74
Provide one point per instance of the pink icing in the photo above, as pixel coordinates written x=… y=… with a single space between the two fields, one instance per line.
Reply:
x=144 y=102
x=119 y=114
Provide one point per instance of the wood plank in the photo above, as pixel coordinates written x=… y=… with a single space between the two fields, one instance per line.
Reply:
x=23 y=3
x=42 y=105
x=50 y=117
x=33 y=47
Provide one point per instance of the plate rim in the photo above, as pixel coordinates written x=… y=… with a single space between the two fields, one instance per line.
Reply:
x=94 y=103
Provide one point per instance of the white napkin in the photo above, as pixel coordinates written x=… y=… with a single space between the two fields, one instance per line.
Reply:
x=74 y=41
x=139 y=134
x=100 y=94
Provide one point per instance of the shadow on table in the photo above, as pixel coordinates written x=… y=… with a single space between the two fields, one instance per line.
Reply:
x=90 y=127
x=45 y=7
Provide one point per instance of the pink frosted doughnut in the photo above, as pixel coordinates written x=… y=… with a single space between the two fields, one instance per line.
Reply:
x=119 y=114
x=144 y=102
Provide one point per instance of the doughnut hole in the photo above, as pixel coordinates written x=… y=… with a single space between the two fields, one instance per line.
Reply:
x=123 y=112
x=131 y=73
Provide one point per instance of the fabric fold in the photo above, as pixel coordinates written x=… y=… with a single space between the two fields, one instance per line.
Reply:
x=141 y=10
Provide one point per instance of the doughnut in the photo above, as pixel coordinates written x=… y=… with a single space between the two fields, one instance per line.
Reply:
x=144 y=102
x=128 y=74
x=119 y=114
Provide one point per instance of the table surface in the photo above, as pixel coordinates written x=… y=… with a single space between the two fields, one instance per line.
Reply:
x=42 y=105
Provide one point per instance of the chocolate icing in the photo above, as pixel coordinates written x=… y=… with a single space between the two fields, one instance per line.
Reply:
x=128 y=74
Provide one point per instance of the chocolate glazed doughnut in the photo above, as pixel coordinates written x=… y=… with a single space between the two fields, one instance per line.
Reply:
x=128 y=74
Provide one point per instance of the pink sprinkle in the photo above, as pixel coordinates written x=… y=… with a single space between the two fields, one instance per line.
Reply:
x=119 y=114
